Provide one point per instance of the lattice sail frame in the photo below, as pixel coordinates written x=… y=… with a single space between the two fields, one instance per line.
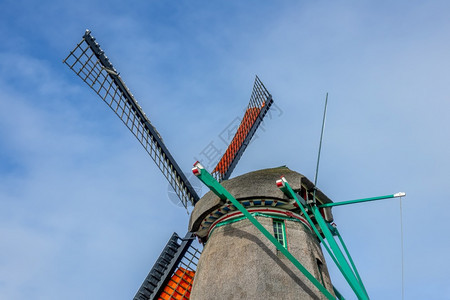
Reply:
x=180 y=283
x=260 y=102
x=173 y=274
x=90 y=63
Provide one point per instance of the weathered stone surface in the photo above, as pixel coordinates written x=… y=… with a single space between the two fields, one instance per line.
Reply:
x=238 y=262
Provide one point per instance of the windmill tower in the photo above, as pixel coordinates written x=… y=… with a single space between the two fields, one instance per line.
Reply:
x=238 y=262
x=261 y=235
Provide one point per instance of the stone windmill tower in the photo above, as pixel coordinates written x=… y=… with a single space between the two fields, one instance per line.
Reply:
x=238 y=261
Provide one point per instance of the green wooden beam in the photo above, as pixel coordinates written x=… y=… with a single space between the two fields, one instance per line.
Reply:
x=349 y=275
x=340 y=260
x=362 y=200
x=336 y=232
x=287 y=190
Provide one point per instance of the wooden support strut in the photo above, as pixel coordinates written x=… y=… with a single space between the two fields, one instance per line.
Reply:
x=348 y=271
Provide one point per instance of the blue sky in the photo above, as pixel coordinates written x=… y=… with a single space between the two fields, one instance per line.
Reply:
x=84 y=212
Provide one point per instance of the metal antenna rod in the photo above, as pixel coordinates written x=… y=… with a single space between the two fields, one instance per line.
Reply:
x=401 y=234
x=320 y=147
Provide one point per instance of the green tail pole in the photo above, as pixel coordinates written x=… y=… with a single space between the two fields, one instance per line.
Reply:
x=341 y=240
x=287 y=190
x=355 y=284
x=342 y=262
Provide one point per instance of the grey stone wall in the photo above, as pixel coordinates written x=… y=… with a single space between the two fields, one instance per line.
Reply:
x=239 y=262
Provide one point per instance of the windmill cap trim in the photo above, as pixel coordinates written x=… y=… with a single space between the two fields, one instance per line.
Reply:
x=268 y=212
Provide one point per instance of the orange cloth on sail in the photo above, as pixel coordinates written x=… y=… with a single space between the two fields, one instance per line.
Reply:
x=179 y=286
x=249 y=118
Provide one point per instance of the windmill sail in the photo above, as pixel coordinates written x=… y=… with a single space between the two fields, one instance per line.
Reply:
x=260 y=102
x=90 y=63
x=173 y=273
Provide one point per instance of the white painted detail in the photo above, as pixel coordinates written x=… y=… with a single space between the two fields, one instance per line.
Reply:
x=198 y=165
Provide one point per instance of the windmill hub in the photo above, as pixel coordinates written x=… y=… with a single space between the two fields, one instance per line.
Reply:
x=237 y=261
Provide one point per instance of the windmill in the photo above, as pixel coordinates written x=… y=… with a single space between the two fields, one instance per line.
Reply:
x=174 y=269
x=262 y=233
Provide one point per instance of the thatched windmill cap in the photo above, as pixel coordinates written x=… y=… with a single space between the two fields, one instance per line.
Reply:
x=254 y=185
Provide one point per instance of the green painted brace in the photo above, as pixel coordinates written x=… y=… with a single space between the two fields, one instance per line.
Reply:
x=362 y=200
x=336 y=253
